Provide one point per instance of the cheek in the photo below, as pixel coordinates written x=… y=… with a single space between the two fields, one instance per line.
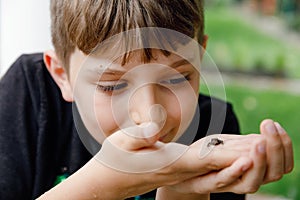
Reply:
x=173 y=107
x=105 y=118
x=188 y=101
x=96 y=114
x=181 y=105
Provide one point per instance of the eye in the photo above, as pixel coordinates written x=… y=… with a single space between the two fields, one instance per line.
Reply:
x=111 y=87
x=176 y=80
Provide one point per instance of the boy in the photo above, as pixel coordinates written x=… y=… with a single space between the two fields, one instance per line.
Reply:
x=50 y=142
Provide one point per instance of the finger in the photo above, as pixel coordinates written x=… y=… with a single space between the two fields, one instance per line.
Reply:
x=232 y=173
x=275 y=151
x=216 y=181
x=135 y=137
x=253 y=178
x=287 y=147
x=130 y=150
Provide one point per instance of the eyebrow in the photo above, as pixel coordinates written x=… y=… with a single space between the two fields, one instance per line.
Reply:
x=110 y=71
x=179 y=63
x=115 y=72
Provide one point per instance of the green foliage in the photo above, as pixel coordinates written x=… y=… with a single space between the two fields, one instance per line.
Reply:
x=254 y=105
x=237 y=45
x=280 y=65
x=219 y=3
x=294 y=23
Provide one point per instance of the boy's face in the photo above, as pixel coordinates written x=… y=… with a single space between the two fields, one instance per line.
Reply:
x=110 y=96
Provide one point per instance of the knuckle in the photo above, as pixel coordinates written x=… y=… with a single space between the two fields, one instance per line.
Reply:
x=252 y=189
x=276 y=146
x=220 y=184
x=213 y=166
x=275 y=178
x=287 y=142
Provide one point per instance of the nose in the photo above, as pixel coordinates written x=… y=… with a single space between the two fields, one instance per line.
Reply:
x=146 y=105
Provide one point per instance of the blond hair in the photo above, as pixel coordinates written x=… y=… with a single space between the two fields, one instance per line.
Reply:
x=83 y=24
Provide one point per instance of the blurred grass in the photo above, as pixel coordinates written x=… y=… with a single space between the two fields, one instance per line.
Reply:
x=235 y=44
x=252 y=106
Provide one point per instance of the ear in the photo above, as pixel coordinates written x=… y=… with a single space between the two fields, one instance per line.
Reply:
x=59 y=74
x=204 y=43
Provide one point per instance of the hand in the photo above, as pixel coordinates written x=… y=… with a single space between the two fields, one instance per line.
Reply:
x=190 y=164
x=239 y=165
x=268 y=167
x=244 y=175
x=279 y=151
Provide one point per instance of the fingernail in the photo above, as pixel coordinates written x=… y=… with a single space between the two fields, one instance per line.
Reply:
x=271 y=128
x=279 y=128
x=261 y=149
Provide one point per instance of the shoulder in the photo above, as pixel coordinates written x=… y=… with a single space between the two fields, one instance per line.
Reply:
x=214 y=105
x=31 y=58
x=27 y=63
x=216 y=116
x=25 y=70
x=29 y=78
x=205 y=101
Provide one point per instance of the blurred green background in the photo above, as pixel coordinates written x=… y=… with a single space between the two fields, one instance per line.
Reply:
x=256 y=46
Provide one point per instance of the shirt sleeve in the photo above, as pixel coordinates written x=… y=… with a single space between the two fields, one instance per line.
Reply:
x=16 y=122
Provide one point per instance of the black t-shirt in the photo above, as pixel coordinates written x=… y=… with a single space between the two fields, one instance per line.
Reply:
x=38 y=138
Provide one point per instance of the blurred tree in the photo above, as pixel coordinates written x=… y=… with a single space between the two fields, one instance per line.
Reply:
x=298 y=6
x=268 y=7
x=291 y=12
x=288 y=6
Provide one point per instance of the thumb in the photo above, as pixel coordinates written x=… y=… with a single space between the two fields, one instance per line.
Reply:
x=135 y=137
x=126 y=150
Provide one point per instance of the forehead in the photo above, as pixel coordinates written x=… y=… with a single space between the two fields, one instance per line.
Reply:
x=144 y=42
x=157 y=56
x=136 y=58
x=111 y=54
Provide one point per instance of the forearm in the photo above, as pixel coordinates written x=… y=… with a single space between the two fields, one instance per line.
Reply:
x=98 y=182
x=165 y=193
